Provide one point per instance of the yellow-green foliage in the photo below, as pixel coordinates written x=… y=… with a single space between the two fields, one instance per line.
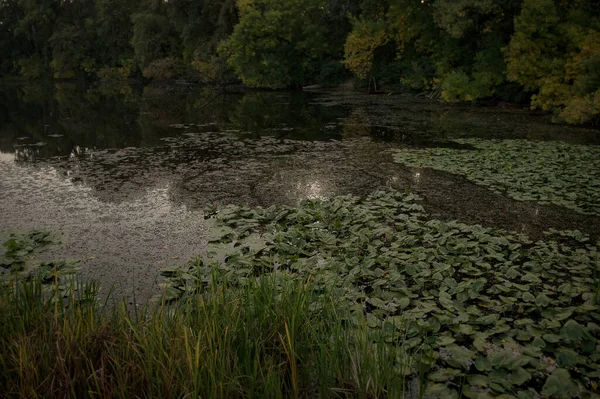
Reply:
x=471 y=49
x=30 y=68
x=457 y=17
x=452 y=45
x=160 y=69
x=555 y=53
x=361 y=44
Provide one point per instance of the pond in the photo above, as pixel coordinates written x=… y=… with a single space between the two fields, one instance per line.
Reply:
x=124 y=172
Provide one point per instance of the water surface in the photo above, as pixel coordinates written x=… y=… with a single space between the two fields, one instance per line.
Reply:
x=124 y=171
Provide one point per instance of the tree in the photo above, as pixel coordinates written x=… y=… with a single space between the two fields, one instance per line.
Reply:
x=153 y=38
x=277 y=43
x=114 y=31
x=73 y=40
x=555 y=52
x=36 y=19
x=366 y=37
x=9 y=48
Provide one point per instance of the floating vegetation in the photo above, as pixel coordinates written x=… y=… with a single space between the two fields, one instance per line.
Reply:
x=485 y=312
x=18 y=260
x=546 y=172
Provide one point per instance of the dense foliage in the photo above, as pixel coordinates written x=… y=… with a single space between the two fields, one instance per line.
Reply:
x=482 y=312
x=543 y=51
x=60 y=339
x=261 y=341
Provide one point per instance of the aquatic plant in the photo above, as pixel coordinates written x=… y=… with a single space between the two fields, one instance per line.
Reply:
x=546 y=172
x=18 y=258
x=263 y=340
x=489 y=313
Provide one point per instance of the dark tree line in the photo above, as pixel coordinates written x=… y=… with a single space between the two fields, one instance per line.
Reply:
x=543 y=51
x=111 y=38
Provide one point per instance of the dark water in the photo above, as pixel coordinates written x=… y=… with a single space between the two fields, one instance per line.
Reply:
x=124 y=171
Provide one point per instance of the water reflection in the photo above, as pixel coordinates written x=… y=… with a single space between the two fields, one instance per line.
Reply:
x=67 y=116
x=310 y=190
x=257 y=148
x=123 y=243
x=121 y=168
x=7 y=157
x=417 y=177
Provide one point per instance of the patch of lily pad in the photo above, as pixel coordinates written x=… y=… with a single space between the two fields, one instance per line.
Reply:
x=546 y=172
x=18 y=260
x=486 y=313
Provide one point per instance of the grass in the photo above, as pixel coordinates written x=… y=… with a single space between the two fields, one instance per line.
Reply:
x=260 y=341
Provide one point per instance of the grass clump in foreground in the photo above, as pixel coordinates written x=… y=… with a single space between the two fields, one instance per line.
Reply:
x=265 y=340
x=546 y=172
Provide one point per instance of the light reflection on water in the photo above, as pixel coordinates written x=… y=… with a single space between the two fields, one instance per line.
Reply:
x=310 y=190
x=417 y=177
x=123 y=243
x=122 y=175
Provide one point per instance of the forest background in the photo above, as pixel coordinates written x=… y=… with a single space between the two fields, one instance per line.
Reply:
x=545 y=53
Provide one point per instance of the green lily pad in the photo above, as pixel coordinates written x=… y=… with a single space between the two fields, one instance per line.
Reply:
x=572 y=330
x=459 y=356
x=559 y=385
x=542 y=300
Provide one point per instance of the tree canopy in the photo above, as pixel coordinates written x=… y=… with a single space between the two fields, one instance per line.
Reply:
x=545 y=52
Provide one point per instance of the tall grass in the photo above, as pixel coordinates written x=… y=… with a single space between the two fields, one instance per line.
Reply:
x=263 y=341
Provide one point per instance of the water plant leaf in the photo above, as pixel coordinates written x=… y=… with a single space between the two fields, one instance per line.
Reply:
x=565 y=174
x=519 y=376
x=572 y=330
x=492 y=302
x=542 y=300
x=458 y=356
x=559 y=385
x=479 y=380
x=566 y=358
x=483 y=364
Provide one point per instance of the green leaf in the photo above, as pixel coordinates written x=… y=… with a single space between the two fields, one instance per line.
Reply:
x=478 y=380
x=519 y=376
x=551 y=338
x=572 y=330
x=483 y=364
x=459 y=356
x=445 y=374
x=489 y=319
x=559 y=385
x=566 y=358
x=527 y=297
x=508 y=360
x=403 y=302
x=542 y=300
x=531 y=278
x=563 y=314
x=171 y=293
x=444 y=340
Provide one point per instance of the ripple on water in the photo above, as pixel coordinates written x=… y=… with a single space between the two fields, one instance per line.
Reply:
x=124 y=183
